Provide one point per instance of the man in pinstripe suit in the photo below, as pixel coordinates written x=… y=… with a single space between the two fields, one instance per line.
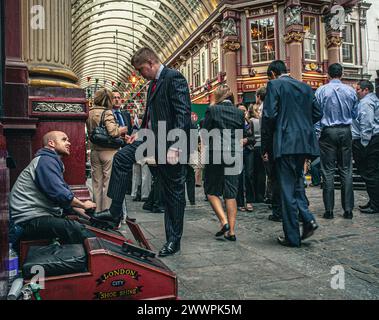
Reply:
x=168 y=100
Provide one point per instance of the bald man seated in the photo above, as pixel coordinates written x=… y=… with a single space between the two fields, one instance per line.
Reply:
x=40 y=197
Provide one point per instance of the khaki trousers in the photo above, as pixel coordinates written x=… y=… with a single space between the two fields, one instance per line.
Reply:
x=101 y=167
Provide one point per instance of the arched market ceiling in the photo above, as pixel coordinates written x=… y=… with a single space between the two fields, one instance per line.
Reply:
x=109 y=31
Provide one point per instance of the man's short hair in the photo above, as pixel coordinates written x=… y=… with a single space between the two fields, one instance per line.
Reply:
x=278 y=67
x=365 y=84
x=144 y=55
x=116 y=91
x=335 y=70
x=261 y=93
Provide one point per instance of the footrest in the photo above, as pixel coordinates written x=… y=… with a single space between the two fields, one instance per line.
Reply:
x=137 y=251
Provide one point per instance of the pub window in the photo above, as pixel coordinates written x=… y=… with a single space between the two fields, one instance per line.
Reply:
x=348 y=45
x=263 y=39
x=310 y=38
x=196 y=70
x=214 y=59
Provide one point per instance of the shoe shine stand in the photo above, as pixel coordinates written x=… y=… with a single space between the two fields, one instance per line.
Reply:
x=106 y=267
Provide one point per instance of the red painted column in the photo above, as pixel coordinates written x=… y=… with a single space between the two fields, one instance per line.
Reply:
x=4 y=215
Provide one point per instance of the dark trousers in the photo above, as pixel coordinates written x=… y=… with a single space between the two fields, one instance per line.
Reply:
x=315 y=171
x=155 y=196
x=273 y=186
x=336 y=146
x=245 y=179
x=292 y=194
x=172 y=179
x=367 y=162
x=259 y=176
x=68 y=231
x=190 y=184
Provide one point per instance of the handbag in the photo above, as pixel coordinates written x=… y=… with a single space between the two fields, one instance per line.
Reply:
x=100 y=136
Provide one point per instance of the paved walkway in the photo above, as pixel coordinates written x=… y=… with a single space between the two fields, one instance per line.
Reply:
x=257 y=267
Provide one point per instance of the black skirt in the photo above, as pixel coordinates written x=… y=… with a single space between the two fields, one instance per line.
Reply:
x=216 y=183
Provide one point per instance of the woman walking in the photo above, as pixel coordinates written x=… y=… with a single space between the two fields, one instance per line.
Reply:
x=220 y=180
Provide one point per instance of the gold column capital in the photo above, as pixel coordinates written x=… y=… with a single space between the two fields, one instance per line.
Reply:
x=231 y=46
x=294 y=36
x=333 y=41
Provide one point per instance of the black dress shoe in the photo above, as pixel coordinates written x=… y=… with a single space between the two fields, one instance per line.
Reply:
x=105 y=220
x=103 y=215
x=224 y=229
x=169 y=249
x=369 y=211
x=275 y=218
x=348 y=215
x=308 y=229
x=328 y=215
x=366 y=206
x=230 y=237
x=284 y=242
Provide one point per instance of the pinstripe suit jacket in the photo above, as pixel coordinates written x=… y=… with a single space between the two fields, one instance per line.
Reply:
x=169 y=102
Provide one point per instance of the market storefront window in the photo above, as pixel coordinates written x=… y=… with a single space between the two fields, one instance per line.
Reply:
x=348 y=45
x=310 y=38
x=263 y=40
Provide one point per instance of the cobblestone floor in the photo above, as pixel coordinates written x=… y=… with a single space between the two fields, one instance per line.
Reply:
x=257 y=267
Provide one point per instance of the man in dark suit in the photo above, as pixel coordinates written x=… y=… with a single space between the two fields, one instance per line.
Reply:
x=124 y=120
x=289 y=112
x=122 y=116
x=168 y=101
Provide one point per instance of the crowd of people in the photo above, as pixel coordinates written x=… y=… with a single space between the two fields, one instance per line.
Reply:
x=289 y=126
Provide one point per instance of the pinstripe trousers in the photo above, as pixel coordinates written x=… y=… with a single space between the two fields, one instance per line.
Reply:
x=173 y=182
x=122 y=168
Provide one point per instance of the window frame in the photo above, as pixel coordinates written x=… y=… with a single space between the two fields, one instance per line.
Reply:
x=353 y=44
x=275 y=39
x=196 y=75
x=316 y=39
x=214 y=62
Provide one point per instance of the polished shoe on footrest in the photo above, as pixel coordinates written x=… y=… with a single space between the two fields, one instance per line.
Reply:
x=105 y=220
x=169 y=249
x=104 y=215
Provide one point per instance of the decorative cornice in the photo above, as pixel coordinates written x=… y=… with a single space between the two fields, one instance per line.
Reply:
x=294 y=36
x=57 y=107
x=333 y=41
x=231 y=46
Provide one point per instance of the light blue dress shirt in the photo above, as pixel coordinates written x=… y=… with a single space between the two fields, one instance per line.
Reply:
x=338 y=102
x=366 y=124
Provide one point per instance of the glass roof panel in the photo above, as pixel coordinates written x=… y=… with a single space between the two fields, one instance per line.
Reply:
x=111 y=30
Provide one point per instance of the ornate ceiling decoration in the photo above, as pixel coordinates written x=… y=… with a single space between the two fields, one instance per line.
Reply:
x=107 y=32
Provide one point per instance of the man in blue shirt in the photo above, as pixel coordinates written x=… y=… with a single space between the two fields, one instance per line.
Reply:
x=365 y=131
x=337 y=102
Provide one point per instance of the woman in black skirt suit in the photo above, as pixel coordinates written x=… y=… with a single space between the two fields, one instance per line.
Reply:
x=219 y=180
